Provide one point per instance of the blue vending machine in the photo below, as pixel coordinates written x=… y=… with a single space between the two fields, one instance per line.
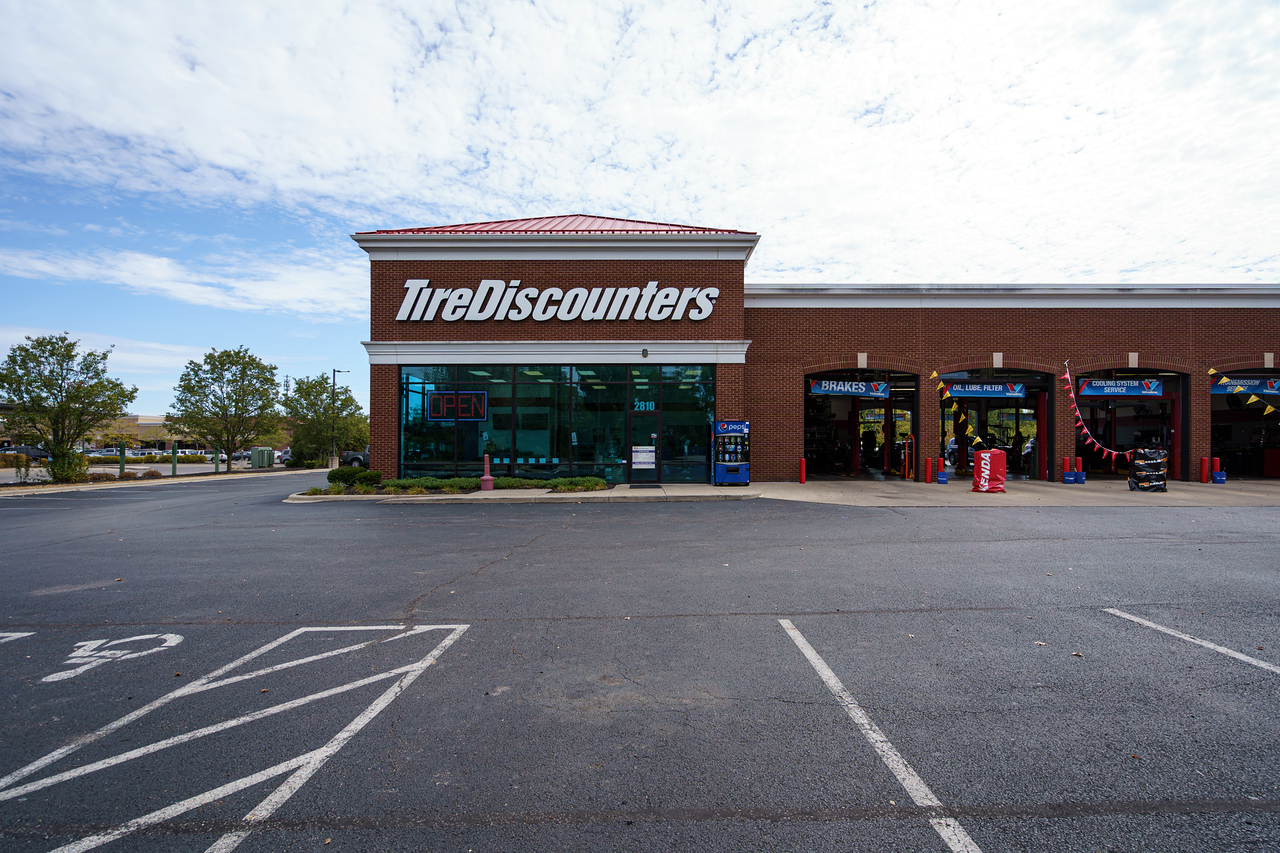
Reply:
x=732 y=465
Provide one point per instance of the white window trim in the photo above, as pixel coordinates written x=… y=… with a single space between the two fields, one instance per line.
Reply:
x=557 y=352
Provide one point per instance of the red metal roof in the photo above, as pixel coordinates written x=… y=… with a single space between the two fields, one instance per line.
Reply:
x=570 y=224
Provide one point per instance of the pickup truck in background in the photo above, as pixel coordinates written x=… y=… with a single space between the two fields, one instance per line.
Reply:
x=355 y=458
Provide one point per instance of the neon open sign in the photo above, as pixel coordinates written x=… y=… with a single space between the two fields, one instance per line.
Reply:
x=457 y=405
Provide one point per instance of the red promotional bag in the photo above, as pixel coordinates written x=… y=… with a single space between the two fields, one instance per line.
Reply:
x=988 y=470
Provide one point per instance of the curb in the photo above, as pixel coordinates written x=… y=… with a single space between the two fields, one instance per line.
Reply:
x=543 y=498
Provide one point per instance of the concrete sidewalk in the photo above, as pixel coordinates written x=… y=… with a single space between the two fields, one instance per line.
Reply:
x=1022 y=493
x=207 y=476
x=859 y=492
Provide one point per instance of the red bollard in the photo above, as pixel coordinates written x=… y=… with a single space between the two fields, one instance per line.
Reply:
x=802 y=472
x=486 y=482
x=1204 y=469
x=1216 y=465
x=1079 y=464
x=928 y=470
x=942 y=464
x=1066 y=464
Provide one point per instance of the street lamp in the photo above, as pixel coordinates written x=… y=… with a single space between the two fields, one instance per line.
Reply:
x=333 y=421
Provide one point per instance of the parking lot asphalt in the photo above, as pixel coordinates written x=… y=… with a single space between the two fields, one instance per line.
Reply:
x=199 y=666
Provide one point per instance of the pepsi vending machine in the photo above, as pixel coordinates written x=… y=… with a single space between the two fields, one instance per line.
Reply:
x=732 y=464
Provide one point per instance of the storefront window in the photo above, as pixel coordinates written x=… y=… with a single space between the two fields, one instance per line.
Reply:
x=599 y=437
x=687 y=412
x=542 y=427
x=427 y=443
x=602 y=373
x=533 y=421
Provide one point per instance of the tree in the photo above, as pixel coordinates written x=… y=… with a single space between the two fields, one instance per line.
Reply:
x=226 y=401
x=59 y=396
x=323 y=417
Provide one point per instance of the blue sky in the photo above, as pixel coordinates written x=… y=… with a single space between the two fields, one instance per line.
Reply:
x=176 y=177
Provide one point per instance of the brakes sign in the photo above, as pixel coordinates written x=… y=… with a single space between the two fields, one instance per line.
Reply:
x=988 y=470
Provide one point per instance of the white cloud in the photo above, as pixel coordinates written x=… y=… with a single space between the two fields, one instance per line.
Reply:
x=310 y=284
x=898 y=141
x=127 y=355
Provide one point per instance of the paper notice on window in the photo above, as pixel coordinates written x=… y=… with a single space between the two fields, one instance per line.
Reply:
x=644 y=456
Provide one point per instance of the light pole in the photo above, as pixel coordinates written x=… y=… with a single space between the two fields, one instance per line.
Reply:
x=333 y=421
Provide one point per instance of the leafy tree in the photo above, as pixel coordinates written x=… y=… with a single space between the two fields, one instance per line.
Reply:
x=227 y=401
x=59 y=396
x=323 y=418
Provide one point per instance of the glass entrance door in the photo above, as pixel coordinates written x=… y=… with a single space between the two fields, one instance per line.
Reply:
x=645 y=447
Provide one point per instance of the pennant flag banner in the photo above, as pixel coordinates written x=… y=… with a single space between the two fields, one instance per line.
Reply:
x=952 y=390
x=1251 y=385
x=1080 y=424
x=1254 y=385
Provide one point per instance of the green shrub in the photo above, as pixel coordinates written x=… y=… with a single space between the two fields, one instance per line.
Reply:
x=337 y=489
x=151 y=459
x=368 y=478
x=576 y=484
x=364 y=489
x=391 y=490
x=10 y=460
x=417 y=490
x=101 y=476
x=314 y=490
x=192 y=458
x=151 y=474
x=292 y=463
x=310 y=463
x=346 y=476
x=518 y=483
x=127 y=475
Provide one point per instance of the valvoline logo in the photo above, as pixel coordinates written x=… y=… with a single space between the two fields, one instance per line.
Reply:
x=1271 y=385
x=878 y=387
x=1012 y=386
x=1146 y=385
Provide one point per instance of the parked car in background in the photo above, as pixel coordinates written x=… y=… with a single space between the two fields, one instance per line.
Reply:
x=284 y=455
x=27 y=450
x=208 y=454
x=355 y=458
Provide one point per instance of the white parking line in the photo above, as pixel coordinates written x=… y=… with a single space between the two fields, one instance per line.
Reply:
x=949 y=829
x=1231 y=653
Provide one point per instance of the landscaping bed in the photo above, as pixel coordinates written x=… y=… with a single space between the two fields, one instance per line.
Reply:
x=357 y=481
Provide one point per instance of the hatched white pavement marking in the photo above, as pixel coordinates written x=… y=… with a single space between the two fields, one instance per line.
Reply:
x=304 y=765
x=949 y=829
x=1223 y=650
x=6 y=636
x=211 y=681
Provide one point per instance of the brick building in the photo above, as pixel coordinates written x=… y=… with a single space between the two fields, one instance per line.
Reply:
x=558 y=345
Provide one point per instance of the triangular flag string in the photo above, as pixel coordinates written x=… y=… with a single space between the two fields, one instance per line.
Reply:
x=1224 y=379
x=1089 y=440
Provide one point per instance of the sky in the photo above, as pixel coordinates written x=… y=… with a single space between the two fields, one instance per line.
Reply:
x=178 y=177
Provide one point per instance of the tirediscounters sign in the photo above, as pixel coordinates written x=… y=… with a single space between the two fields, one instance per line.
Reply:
x=1120 y=388
x=494 y=299
x=973 y=389
x=849 y=389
